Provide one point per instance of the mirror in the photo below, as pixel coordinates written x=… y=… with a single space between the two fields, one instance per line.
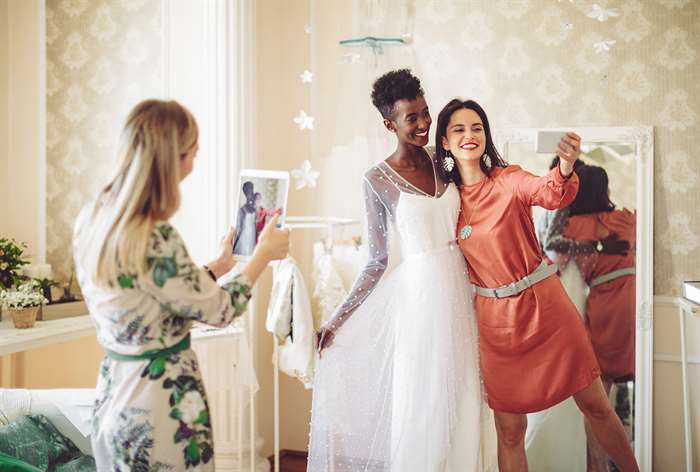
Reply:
x=602 y=244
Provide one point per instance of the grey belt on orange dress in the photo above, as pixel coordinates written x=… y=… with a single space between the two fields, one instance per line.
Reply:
x=543 y=271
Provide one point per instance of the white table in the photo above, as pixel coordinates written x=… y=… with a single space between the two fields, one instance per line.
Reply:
x=43 y=333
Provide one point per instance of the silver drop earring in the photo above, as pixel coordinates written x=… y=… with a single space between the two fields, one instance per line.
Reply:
x=448 y=162
x=487 y=160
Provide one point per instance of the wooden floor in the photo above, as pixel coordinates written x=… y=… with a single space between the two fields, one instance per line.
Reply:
x=290 y=461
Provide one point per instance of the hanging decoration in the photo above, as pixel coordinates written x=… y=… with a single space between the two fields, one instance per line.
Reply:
x=304 y=121
x=602 y=14
x=305 y=176
x=604 y=46
x=306 y=77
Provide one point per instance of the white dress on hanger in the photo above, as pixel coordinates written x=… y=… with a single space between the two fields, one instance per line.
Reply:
x=399 y=389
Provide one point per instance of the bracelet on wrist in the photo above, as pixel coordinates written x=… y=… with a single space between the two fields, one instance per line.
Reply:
x=210 y=272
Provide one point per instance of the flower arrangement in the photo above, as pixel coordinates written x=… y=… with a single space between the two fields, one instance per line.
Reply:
x=23 y=303
x=10 y=262
x=26 y=296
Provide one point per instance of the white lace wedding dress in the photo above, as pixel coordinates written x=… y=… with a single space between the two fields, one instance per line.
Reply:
x=399 y=390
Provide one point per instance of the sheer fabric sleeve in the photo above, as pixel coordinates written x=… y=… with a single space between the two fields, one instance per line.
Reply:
x=551 y=191
x=185 y=290
x=377 y=215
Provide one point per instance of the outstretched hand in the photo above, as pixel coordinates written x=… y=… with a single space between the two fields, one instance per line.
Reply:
x=569 y=150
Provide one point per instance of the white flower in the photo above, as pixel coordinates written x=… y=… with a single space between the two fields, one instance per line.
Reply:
x=604 y=45
x=304 y=121
x=191 y=405
x=305 y=176
x=26 y=295
x=3 y=266
x=602 y=14
x=590 y=60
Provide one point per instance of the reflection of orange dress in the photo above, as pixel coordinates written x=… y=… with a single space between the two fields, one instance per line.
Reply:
x=610 y=309
x=535 y=351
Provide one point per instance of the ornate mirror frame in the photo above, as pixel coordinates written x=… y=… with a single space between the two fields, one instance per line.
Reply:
x=643 y=138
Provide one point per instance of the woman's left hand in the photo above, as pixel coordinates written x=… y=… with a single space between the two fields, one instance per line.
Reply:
x=568 y=151
x=225 y=262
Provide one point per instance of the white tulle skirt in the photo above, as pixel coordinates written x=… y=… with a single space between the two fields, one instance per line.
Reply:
x=400 y=389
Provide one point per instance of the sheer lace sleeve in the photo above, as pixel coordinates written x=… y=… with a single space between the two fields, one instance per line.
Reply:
x=380 y=200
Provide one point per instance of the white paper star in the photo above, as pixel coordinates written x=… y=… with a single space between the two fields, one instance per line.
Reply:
x=305 y=176
x=602 y=14
x=307 y=29
x=304 y=121
x=604 y=46
x=568 y=26
x=307 y=77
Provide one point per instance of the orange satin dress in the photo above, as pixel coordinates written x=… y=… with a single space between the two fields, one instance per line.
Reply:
x=610 y=308
x=535 y=350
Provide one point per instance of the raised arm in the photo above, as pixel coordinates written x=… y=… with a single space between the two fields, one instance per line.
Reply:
x=551 y=191
x=185 y=290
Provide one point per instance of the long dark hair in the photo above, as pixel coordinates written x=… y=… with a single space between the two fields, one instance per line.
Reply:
x=593 y=192
x=441 y=131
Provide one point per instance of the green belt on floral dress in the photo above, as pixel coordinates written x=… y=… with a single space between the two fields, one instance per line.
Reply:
x=151 y=353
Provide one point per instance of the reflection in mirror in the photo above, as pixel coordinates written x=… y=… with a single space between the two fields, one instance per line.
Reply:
x=593 y=243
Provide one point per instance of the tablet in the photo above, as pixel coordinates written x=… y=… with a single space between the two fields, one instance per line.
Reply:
x=261 y=194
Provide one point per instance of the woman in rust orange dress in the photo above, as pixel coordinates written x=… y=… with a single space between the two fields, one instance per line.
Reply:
x=535 y=351
x=610 y=308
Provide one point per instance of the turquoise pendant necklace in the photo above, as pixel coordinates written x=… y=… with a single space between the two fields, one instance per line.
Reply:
x=465 y=232
x=467 y=229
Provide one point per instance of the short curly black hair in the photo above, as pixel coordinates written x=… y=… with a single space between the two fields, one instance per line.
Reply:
x=394 y=86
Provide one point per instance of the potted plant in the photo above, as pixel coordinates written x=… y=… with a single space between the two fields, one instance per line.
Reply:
x=10 y=262
x=23 y=304
x=45 y=285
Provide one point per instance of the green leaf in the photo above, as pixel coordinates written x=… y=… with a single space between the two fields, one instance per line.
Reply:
x=164 y=269
x=192 y=451
x=156 y=368
x=126 y=281
x=203 y=417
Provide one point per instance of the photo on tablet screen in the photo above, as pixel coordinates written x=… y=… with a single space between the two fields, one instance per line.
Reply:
x=261 y=194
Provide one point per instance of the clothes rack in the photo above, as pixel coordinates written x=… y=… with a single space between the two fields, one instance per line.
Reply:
x=330 y=224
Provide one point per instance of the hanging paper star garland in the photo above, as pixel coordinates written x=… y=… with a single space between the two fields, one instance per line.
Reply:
x=305 y=176
x=306 y=77
x=304 y=121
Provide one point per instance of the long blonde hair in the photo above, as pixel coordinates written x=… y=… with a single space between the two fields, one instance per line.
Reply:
x=114 y=236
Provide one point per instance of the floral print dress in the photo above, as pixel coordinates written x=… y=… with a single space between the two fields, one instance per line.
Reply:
x=152 y=415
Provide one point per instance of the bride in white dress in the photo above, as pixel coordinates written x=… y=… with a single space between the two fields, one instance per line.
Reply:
x=399 y=387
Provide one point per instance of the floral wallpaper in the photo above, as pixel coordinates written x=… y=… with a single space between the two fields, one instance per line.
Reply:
x=103 y=56
x=554 y=63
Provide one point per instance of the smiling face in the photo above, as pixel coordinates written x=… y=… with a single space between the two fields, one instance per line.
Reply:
x=411 y=121
x=465 y=136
